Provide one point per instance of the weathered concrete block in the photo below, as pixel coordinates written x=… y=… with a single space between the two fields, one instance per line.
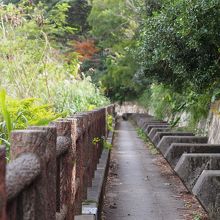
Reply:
x=175 y=151
x=151 y=126
x=155 y=130
x=90 y=208
x=85 y=217
x=140 y=119
x=153 y=122
x=166 y=141
x=159 y=135
x=190 y=166
x=207 y=190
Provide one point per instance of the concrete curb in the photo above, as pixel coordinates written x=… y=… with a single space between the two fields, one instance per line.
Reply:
x=91 y=208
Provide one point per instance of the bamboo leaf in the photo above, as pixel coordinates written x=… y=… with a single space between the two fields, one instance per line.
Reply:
x=5 y=113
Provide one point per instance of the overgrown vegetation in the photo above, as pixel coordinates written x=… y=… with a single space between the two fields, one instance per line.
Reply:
x=163 y=53
x=41 y=78
x=109 y=121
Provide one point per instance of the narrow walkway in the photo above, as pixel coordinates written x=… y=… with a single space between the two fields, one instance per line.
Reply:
x=136 y=189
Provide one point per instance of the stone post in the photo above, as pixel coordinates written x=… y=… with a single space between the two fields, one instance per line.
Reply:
x=31 y=201
x=65 y=169
x=76 y=131
x=50 y=167
x=2 y=183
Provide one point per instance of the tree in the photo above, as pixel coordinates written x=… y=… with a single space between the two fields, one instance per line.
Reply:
x=114 y=25
x=180 y=44
x=77 y=13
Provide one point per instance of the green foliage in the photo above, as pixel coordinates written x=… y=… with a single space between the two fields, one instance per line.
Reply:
x=25 y=112
x=29 y=64
x=179 y=44
x=166 y=103
x=163 y=101
x=96 y=140
x=108 y=21
x=33 y=63
x=5 y=116
x=107 y=145
x=197 y=216
x=110 y=122
x=77 y=15
x=19 y=114
x=171 y=55
x=114 y=25
x=118 y=78
x=198 y=105
x=32 y=67
x=145 y=99
x=141 y=134
x=77 y=95
x=103 y=141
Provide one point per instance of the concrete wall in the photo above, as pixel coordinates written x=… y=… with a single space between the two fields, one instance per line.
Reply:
x=213 y=123
x=207 y=127
x=129 y=107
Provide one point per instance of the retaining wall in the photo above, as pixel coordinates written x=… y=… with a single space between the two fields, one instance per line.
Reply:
x=193 y=158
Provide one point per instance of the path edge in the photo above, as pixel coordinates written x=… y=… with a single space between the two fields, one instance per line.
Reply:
x=92 y=207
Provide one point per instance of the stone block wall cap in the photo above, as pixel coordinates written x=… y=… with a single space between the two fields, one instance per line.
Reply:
x=50 y=126
x=201 y=155
x=184 y=137
x=28 y=131
x=195 y=144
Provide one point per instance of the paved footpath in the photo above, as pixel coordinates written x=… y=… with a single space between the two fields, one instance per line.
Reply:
x=137 y=190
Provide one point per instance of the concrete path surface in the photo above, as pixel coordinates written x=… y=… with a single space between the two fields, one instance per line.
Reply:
x=136 y=189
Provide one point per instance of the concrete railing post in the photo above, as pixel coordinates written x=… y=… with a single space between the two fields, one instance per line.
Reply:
x=81 y=144
x=93 y=136
x=91 y=149
x=65 y=157
x=3 y=198
x=30 y=203
x=50 y=167
x=76 y=131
